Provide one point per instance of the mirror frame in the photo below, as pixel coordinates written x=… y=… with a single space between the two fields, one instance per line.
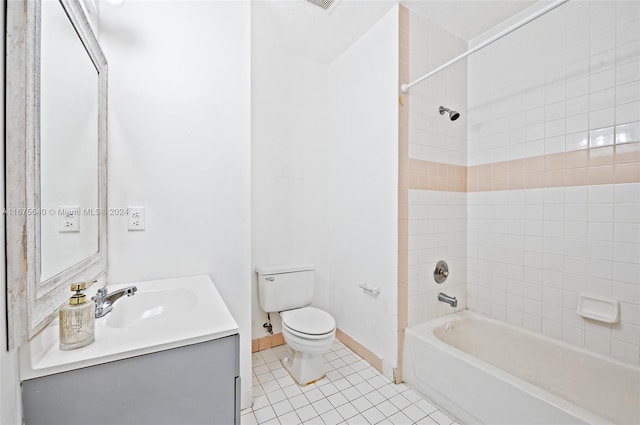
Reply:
x=33 y=304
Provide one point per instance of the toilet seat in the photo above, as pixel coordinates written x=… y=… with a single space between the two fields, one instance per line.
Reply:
x=308 y=322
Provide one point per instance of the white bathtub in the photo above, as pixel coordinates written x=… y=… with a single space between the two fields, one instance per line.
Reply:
x=485 y=371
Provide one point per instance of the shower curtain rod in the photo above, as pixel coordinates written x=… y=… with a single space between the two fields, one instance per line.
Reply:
x=405 y=87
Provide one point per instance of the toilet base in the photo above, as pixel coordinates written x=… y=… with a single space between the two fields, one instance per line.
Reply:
x=304 y=368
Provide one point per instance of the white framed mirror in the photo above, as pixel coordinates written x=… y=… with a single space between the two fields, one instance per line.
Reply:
x=56 y=153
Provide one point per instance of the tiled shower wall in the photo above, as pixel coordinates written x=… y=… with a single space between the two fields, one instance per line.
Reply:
x=437 y=179
x=554 y=166
x=437 y=231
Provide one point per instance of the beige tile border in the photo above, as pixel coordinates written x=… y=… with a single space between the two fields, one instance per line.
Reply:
x=359 y=349
x=266 y=342
x=601 y=165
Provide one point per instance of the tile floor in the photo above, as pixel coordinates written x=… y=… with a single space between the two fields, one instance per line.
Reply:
x=352 y=393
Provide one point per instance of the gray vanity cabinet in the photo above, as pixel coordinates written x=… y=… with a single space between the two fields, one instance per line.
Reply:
x=194 y=384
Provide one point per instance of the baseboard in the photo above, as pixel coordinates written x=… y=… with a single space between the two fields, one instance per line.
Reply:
x=360 y=350
x=267 y=342
x=276 y=340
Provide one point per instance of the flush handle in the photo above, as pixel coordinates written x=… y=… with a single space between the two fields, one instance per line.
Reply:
x=441 y=272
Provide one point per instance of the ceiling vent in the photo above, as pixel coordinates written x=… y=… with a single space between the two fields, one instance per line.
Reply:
x=324 y=4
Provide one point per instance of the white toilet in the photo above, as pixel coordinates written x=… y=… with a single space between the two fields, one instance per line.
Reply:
x=308 y=331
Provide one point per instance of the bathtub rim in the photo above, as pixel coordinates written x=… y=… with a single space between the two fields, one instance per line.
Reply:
x=425 y=331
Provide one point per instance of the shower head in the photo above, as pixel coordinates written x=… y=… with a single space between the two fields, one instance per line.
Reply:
x=453 y=115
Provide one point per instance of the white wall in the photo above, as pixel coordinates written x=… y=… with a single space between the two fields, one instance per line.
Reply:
x=288 y=152
x=324 y=184
x=179 y=145
x=556 y=86
x=10 y=402
x=363 y=187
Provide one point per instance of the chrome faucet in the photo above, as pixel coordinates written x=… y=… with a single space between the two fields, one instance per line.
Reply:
x=104 y=300
x=452 y=301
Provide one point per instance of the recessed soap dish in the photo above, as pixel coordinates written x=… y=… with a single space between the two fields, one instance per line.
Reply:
x=598 y=308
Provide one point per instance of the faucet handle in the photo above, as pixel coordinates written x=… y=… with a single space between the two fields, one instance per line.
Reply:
x=100 y=295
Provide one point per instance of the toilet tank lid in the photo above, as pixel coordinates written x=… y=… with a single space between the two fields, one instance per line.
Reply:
x=284 y=269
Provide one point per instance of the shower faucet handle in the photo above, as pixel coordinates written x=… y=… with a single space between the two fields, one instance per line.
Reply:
x=441 y=272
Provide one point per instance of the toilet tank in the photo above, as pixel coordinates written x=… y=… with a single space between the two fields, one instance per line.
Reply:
x=285 y=288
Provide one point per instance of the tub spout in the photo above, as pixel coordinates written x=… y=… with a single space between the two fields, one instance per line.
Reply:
x=452 y=301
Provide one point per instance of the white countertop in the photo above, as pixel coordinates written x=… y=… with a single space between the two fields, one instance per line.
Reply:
x=198 y=314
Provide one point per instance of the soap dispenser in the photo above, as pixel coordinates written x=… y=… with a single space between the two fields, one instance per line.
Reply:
x=77 y=320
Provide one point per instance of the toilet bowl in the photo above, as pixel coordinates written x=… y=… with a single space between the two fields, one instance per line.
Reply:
x=309 y=333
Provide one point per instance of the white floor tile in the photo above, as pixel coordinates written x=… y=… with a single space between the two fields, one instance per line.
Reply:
x=373 y=415
x=322 y=406
x=354 y=393
x=441 y=418
x=305 y=413
x=282 y=407
x=328 y=389
x=270 y=386
x=388 y=391
x=346 y=370
x=368 y=373
x=341 y=384
x=357 y=420
x=314 y=421
x=399 y=401
x=347 y=411
x=334 y=375
x=400 y=418
x=289 y=419
x=276 y=396
x=331 y=417
x=264 y=414
x=426 y=406
x=351 y=393
x=413 y=412
x=286 y=381
x=377 y=382
x=387 y=408
x=355 y=379
x=248 y=419
x=337 y=399
x=259 y=370
x=260 y=402
x=361 y=404
x=314 y=395
x=292 y=390
x=412 y=396
x=299 y=401
x=338 y=363
x=258 y=390
x=426 y=421
x=364 y=387
x=375 y=397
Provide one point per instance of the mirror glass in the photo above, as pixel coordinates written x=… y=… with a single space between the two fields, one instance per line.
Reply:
x=69 y=224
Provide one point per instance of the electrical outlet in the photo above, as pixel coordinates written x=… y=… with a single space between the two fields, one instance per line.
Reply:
x=69 y=219
x=135 y=218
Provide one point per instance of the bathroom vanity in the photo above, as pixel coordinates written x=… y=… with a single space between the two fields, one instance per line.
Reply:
x=167 y=355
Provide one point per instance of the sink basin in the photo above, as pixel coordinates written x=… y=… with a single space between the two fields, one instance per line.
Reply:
x=143 y=308
x=163 y=314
